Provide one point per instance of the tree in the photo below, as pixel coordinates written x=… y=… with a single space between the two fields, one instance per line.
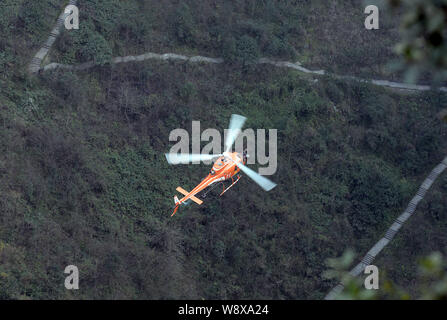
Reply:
x=183 y=24
x=424 y=30
x=424 y=44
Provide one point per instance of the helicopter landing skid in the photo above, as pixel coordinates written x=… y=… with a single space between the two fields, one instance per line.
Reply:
x=232 y=184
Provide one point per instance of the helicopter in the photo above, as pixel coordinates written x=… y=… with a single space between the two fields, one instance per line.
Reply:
x=226 y=167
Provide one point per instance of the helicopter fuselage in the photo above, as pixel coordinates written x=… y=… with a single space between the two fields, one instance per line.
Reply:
x=224 y=168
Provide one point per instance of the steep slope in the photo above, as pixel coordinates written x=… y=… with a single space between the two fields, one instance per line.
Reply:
x=84 y=180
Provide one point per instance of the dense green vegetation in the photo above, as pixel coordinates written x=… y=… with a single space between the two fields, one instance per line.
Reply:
x=323 y=35
x=424 y=44
x=85 y=182
x=429 y=281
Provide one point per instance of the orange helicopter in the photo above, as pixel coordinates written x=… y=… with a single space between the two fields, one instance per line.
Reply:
x=226 y=167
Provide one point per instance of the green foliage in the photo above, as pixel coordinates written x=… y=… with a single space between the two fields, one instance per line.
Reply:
x=243 y=50
x=183 y=24
x=444 y=184
x=103 y=190
x=188 y=91
x=339 y=270
x=8 y=10
x=424 y=46
x=33 y=16
x=96 y=49
x=431 y=280
x=374 y=189
x=5 y=60
x=85 y=45
x=84 y=179
x=229 y=49
x=247 y=49
x=278 y=47
x=136 y=26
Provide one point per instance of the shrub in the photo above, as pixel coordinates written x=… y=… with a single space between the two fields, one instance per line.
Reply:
x=96 y=49
x=85 y=45
x=247 y=49
x=375 y=190
x=183 y=24
x=333 y=92
x=32 y=16
x=280 y=47
x=229 y=49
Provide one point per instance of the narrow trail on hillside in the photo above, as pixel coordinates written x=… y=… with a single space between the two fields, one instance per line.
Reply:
x=281 y=64
x=36 y=66
x=36 y=62
x=391 y=232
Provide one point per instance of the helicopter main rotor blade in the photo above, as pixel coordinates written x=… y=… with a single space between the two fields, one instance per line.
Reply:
x=265 y=183
x=236 y=123
x=185 y=158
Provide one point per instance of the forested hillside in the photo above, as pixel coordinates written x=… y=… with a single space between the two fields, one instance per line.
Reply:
x=323 y=35
x=84 y=180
